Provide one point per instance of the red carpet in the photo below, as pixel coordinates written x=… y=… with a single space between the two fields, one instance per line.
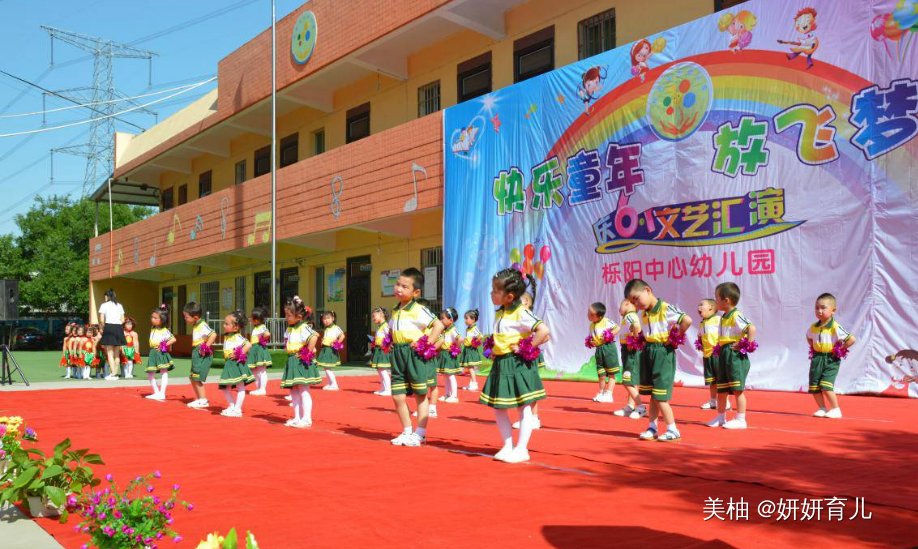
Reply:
x=591 y=482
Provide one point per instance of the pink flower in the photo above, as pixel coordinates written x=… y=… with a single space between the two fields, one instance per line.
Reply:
x=117 y=514
x=175 y=487
x=635 y=342
x=164 y=346
x=698 y=344
x=745 y=346
x=149 y=489
x=527 y=351
x=177 y=539
x=157 y=474
x=306 y=355
x=263 y=339
x=588 y=342
x=190 y=507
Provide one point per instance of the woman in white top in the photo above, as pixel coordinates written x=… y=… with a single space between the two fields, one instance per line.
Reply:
x=111 y=316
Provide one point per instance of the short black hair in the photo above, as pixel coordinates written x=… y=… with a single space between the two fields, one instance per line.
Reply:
x=193 y=308
x=416 y=276
x=259 y=314
x=829 y=297
x=729 y=291
x=635 y=285
x=449 y=313
x=599 y=308
x=473 y=314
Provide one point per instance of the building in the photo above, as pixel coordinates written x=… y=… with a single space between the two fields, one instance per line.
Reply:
x=360 y=151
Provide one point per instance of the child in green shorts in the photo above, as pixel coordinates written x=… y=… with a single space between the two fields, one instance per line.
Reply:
x=828 y=342
x=709 y=332
x=631 y=361
x=606 y=355
x=732 y=364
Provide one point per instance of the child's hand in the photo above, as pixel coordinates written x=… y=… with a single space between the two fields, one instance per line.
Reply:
x=515 y=348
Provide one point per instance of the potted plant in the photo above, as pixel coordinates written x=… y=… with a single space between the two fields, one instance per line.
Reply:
x=230 y=541
x=44 y=482
x=135 y=516
x=11 y=437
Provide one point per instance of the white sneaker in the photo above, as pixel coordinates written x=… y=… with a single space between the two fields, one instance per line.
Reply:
x=330 y=388
x=442 y=398
x=291 y=422
x=834 y=413
x=626 y=411
x=432 y=412
x=471 y=387
x=648 y=434
x=537 y=423
x=384 y=393
x=451 y=400
x=414 y=440
x=820 y=412
x=716 y=422
x=200 y=403
x=503 y=453
x=517 y=456
x=227 y=412
x=709 y=405
x=639 y=412
x=288 y=397
x=598 y=397
x=516 y=424
x=129 y=377
x=259 y=392
x=157 y=396
x=111 y=378
x=607 y=397
x=302 y=424
x=735 y=424
x=402 y=439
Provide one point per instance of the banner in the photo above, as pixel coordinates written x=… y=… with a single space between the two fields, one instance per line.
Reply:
x=772 y=144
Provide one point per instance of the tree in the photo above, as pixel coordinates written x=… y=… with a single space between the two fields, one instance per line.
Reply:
x=50 y=257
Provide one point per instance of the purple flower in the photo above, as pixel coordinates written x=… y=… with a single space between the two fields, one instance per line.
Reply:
x=159 y=535
x=97 y=499
x=170 y=521
x=117 y=514
x=175 y=487
x=86 y=529
x=156 y=500
x=84 y=546
x=76 y=528
x=109 y=477
x=112 y=501
x=177 y=539
x=109 y=531
x=30 y=434
x=102 y=516
x=149 y=489
x=190 y=507
x=157 y=474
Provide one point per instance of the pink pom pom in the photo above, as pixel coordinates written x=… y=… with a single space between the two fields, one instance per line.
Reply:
x=338 y=345
x=164 y=346
x=489 y=346
x=263 y=339
x=839 y=350
x=812 y=353
x=387 y=343
x=239 y=354
x=716 y=350
x=475 y=343
x=306 y=356
x=608 y=336
x=527 y=351
x=698 y=344
x=676 y=337
x=205 y=350
x=745 y=346
x=635 y=342
x=455 y=349
x=425 y=349
x=589 y=342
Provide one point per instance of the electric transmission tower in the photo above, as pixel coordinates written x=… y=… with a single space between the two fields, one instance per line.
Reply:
x=101 y=98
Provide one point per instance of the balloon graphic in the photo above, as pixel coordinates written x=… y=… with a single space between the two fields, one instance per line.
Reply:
x=892 y=30
x=515 y=255
x=529 y=251
x=517 y=267
x=527 y=267
x=544 y=254
x=539 y=270
x=906 y=14
x=878 y=27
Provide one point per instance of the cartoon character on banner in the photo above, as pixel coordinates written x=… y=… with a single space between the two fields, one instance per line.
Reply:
x=740 y=28
x=590 y=85
x=463 y=140
x=894 y=26
x=641 y=52
x=527 y=264
x=905 y=380
x=806 y=43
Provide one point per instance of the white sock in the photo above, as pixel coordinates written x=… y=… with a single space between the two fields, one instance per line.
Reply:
x=406 y=431
x=453 y=386
x=228 y=395
x=297 y=399
x=85 y=372
x=526 y=423
x=164 y=382
x=741 y=417
x=432 y=409
x=151 y=377
x=387 y=379
x=240 y=395
x=256 y=371
x=504 y=428
x=332 y=380
x=671 y=426
x=306 y=403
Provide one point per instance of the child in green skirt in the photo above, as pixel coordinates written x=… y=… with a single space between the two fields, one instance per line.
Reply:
x=470 y=359
x=235 y=371
x=259 y=357
x=448 y=365
x=332 y=341
x=380 y=357
x=161 y=340
x=300 y=370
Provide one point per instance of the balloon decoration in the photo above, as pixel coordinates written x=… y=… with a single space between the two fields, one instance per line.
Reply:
x=527 y=263
x=894 y=26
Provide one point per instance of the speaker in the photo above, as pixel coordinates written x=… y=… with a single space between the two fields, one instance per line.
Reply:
x=9 y=292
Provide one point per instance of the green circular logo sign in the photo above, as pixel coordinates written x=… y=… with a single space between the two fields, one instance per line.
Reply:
x=303 y=41
x=679 y=101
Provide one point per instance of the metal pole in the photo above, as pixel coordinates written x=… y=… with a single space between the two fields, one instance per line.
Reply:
x=111 y=229
x=274 y=303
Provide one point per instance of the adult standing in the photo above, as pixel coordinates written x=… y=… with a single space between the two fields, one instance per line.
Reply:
x=111 y=316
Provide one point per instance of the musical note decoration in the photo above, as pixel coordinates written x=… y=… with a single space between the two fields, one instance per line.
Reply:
x=96 y=255
x=224 y=202
x=263 y=223
x=118 y=263
x=153 y=256
x=136 y=250
x=412 y=203
x=170 y=237
x=336 y=194
x=198 y=227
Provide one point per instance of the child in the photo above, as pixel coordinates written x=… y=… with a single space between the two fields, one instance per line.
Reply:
x=300 y=371
x=380 y=358
x=513 y=381
x=65 y=351
x=77 y=352
x=631 y=362
x=826 y=338
x=96 y=360
x=709 y=334
x=201 y=334
x=130 y=352
x=161 y=340
x=526 y=300
x=328 y=358
x=259 y=357
x=658 y=359
x=449 y=363
x=410 y=372
x=470 y=359
x=732 y=366
x=235 y=372
x=607 y=365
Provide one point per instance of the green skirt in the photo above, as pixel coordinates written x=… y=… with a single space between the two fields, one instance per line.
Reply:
x=259 y=356
x=297 y=373
x=512 y=383
x=235 y=373
x=448 y=364
x=159 y=360
x=380 y=359
x=328 y=358
x=470 y=357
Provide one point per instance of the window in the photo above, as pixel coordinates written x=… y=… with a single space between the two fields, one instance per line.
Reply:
x=358 y=123
x=181 y=327
x=318 y=142
x=210 y=299
x=182 y=194
x=240 y=293
x=240 y=171
x=429 y=98
x=167 y=201
x=263 y=290
x=474 y=77
x=289 y=283
x=596 y=34
x=433 y=257
x=320 y=288
x=289 y=150
x=168 y=299
x=204 y=181
x=724 y=4
x=534 y=54
x=262 y=161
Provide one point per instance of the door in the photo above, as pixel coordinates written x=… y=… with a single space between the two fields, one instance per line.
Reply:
x=289 y=283
x=359 y=270
x=263 y=290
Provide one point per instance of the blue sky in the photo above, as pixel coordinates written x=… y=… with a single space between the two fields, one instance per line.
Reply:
x=189 y=36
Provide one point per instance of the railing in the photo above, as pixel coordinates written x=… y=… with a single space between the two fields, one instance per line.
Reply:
x=277 y=327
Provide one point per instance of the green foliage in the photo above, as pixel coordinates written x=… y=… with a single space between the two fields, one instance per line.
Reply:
x=50 y=256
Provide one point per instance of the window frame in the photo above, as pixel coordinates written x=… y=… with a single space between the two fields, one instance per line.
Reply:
x=357 y=114
x=473 y=67
x=262 y=154
x=288 y=145
x=239 y=179
x=183 y=194
x=530 y=44
x=424 y=100
x=315 y=142
x=167 y=199
x=205 y=184
x=596 y=20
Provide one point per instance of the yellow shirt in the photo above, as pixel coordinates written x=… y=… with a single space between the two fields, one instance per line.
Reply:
x=733 y=326
x=381 y=334
x=330 y=334
x=448 y=336
x=823 y=338
x=231 y=343
x=659 y=320
x=158 y=335
x=511 y=326
x=409 y=321
x=200 y=333
x=256 y=332
x=627 y=321
x=471 y=332
x=298 y=336
x=597 y=329
x=710 y=333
